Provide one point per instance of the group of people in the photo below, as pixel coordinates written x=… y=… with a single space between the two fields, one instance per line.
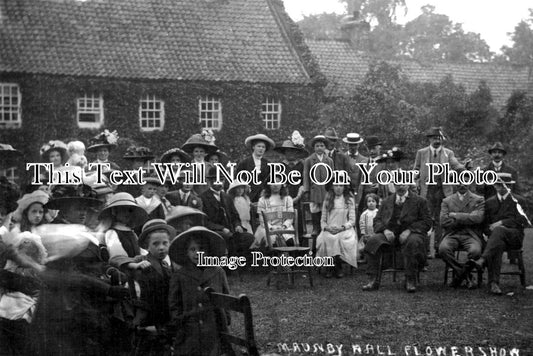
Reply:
x=95 y=257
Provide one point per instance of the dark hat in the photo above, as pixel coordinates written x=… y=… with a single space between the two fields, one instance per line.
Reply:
x=435 y=131
x=104 y=139
x=319 y=138
x=373 y=141
x=212 y=172
x=177 y=213
x=62 y=194
x=330 y=134
x=498 y=146
x=206 y=140
x=9 y=193
x=504 y=178
x=393 y=155
x=153 y=179
x=53 y=145
x=134 y=152
x=153 y=225
x=250 y=140
x=184 y=156
x=288 y=145
x=353 y=138
x=125 y=200
x=178 y=247
x=222 y=157
x=8 y=155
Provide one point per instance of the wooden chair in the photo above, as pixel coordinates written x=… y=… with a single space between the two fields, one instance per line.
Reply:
x=521 y=272
x=309 y=239
x=448 y=268
x=396 y=267
x=240 y=304
x=294 y=251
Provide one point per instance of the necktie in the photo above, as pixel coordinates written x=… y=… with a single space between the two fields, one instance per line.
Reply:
x=165 y=268
x=434 y=153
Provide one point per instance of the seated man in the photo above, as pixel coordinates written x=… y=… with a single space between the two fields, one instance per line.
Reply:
x=504 y=225
x=403 y=218
x=461 y=216
x=223 y=218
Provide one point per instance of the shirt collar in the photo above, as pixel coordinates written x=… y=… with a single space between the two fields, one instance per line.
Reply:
x=216 y=192
x=433 y=150
x=503 y=197
x=497 y=164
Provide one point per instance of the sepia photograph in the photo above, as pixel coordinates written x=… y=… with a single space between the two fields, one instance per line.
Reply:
x=266 y=177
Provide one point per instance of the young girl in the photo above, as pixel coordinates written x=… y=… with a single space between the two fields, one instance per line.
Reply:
x=239 y=194
x=122 y=215
x=338 y=237
x=31 y=211
x=54 y=152
x=274 y=202
x=196 y=326
x=366 y=221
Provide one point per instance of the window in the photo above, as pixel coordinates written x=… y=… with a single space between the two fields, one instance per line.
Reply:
x=10 y=100
x=90 y=111
x=10 y=173
x=271 y=113
x=210 y=113
x=151 y=114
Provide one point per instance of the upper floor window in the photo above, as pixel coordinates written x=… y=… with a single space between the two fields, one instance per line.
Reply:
x=271 y=113
x=90 y=111
x=210 y=113
x=151 y=114
x=10 y=173
x=10 y=100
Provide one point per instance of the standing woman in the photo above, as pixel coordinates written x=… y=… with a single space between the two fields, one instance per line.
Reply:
x=199 y=146
x=54 y=152
x=258 y=144
x=102 y=144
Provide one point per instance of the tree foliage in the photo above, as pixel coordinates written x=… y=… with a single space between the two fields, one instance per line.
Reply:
x=521 y=52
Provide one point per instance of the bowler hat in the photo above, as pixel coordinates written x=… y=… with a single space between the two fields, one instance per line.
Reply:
x=373 y=141
x=153 y=225
x=250 y=140
x=498 y=146
x=105 y=139
x=123 y=199
x=353 y=138
x=216 y=246
x=435 y=131
x=331 y=134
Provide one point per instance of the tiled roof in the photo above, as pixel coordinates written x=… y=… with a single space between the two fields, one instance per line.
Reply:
x=214 y=40
x=345 y=68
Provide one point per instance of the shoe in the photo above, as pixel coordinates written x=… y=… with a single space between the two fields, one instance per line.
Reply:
x=470 y=282
x=471 y=264
x=410 y=286
x=374 y=285
x=495 y=288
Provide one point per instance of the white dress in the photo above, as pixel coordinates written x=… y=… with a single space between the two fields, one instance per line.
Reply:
x=343 y=243
x=273 y=207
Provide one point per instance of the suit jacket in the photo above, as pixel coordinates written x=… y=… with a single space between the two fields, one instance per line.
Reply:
x=341 y=161
x=469 y=215
x=248 y=164
x=317 y=193
x=414 y=216
x=488 y=190
x=220 y=214
x=355 y=176
x=505 y=211
x=423 y=156
x=193 y=200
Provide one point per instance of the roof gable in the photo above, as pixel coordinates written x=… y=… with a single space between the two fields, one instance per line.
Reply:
x=214 y=40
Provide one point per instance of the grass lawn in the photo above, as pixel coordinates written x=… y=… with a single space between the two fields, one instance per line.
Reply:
x=336 y=311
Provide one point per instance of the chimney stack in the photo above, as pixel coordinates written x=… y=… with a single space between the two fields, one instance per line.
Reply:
x=356 y=31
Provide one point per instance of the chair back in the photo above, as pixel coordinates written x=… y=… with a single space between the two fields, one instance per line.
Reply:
x=285 y=215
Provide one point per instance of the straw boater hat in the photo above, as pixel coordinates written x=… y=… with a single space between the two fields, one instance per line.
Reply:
x=179 y=212
x=331 y=134
x=184 y=156
x=393 y=155
x=353 y=138
x=223 y=158
x=498 y=146
x=178 y=247
x=105 y=139
x=9 y=155
x=319 y=138
x=62 y=194
x=206 y=140
x=250 y=140
x=435 y=131
x=295 y=143
x=37 y=196
x=124 y=200
x=505 y=178
x=134 y=152
x=154 y=225
x=373 y=141
x=53 y=145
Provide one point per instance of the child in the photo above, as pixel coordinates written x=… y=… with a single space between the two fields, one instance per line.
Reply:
x=154 y=282
x=274 y=202
x=185 y=195
x=338 y=237
x=149 y=201
x=239 y=194
x=31 y=211
x=122 y=215
x=196 y=325
x=366 y=221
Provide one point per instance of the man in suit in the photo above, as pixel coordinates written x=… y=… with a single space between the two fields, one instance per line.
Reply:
x=374 y=144
x=504 y=224
x=353 y=140
x=223 y=218
x=402 y=219
x=185 y=196
x=461 y=217
x=340 y=160
x=435 y=193
x=498 y=152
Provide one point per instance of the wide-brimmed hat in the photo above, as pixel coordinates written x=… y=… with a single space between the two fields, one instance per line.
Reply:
x=37 y=196
x=498 y=146
x=9 y=155
x=435 y=131
x=62 y=194
x=260 y=137
x=236 y=183
x=319 y=138
x=223 y=158
x=178 y=247
x=123 y=199
x=393 y=155
x=184 y=156
x=288 y=145
x=180 y=211
x=153 y=225
x=373 y=141
x=206 y=141
x=104 y=139
x=53 y=145
x=134 y=152
x=504 y=178
x=353 y=138
x=331 y=134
